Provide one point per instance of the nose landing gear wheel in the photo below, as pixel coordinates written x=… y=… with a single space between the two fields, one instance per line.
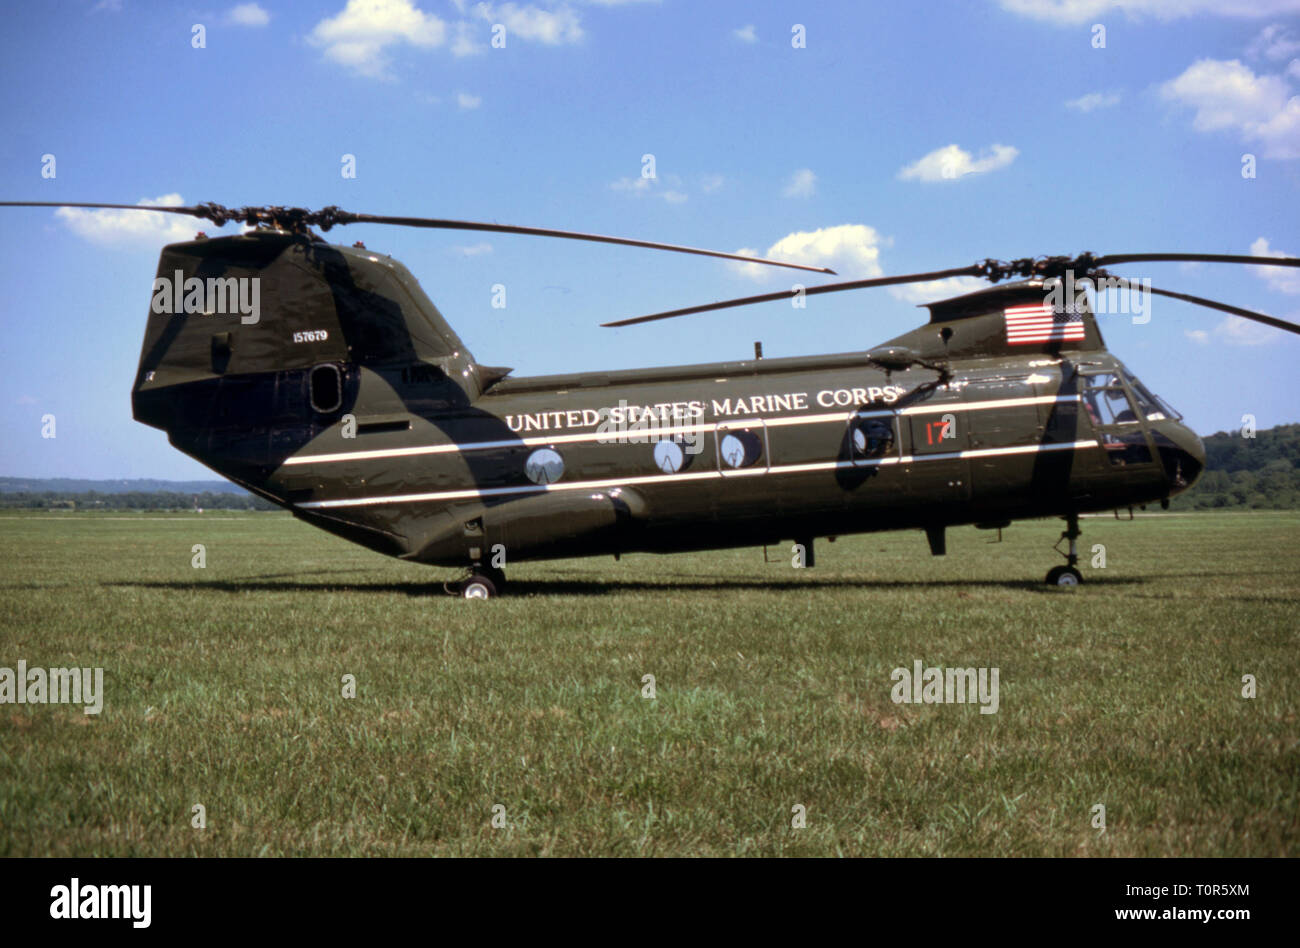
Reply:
x=1064 y=576
x=1067 y=575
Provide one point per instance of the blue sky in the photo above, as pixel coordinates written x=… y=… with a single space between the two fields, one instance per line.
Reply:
x=1051 y=144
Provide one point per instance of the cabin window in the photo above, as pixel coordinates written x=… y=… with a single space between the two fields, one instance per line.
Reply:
x=872 y=438
x=326 y=385
x=740 y=449
x=669 y=456
x=544 y=466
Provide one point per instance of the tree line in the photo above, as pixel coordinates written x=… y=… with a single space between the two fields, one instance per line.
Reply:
x=132 y=500
x=1259 y=473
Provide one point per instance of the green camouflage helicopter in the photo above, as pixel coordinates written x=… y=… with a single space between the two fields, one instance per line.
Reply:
x=321 y=378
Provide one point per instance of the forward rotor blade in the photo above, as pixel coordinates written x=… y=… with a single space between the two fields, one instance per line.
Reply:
x=1213 y=304
x=329 y=217
x=976 y=270
x=345 y=217
x=1195 y=258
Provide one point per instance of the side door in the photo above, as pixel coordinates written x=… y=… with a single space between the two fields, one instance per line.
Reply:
x=1006 y=434
x=741 y=453
x=936 y=438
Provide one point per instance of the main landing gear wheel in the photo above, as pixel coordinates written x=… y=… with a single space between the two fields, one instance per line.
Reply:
x=1064 y=576
x=478 y=586
x=481 y=583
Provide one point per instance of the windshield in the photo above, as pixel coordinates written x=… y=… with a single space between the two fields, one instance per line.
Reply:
x=1153 y=407
x=1105 y=400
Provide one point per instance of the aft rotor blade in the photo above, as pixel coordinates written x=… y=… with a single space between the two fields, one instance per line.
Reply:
x=1195 y=258
x=191 y=211
x=976 y=270
x=437 y=224
x=1213 y=304
x=328 y=217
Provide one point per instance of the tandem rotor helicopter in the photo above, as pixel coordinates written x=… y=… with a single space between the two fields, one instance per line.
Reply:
x=342 y=395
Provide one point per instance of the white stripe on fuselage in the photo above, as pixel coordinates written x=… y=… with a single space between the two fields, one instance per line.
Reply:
x=699 y=475
x=842 y=417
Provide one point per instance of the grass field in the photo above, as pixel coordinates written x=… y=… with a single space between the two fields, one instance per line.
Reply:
x=223 y=688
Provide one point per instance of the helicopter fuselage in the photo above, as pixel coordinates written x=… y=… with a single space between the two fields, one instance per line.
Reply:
x=353 y=404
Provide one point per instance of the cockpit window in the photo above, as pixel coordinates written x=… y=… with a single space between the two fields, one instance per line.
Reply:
x=1106 y=401
x=1153 y=407
x=1116 y=419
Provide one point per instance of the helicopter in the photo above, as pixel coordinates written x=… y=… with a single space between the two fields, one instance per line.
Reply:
x=322 y=378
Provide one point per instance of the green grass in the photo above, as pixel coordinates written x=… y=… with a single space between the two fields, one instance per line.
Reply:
x=223 y=688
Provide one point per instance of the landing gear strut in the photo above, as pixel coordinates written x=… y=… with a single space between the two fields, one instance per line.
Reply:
x=1067 y=575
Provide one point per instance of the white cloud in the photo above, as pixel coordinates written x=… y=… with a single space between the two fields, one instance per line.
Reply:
x=802 y=184
x=475 y=250
x=1281 y=279
x=466 y=42
x=116 y=227
x=248 y=14
x=632 y=184
x=669 y=187
x=852 y=250
x=1228 y=95
x=951 y=162
x=549 y=27
x=1274 y=42
x=746 y=34
x=359 y=36
x=1070 y=12
x=933 y=290
x=1235 y=331
x=712 y=182
x=1093 y=101
x=467 y=101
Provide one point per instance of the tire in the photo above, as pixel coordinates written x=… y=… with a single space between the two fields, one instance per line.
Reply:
x=478 y=587
x=1064 y=576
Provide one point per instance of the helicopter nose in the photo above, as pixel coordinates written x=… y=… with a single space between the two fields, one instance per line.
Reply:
x=1183 y=454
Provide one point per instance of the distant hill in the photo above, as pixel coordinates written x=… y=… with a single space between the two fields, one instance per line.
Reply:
x=1260 y=473
x=71 y=485
x=65 y=493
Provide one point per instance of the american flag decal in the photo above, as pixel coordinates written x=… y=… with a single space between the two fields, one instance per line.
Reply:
x=1037 y=322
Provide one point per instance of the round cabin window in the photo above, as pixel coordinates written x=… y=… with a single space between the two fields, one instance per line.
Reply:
x=740 y=449
x=544 y=466
x=326 y=385
x=669 y=457
x=873 y=438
